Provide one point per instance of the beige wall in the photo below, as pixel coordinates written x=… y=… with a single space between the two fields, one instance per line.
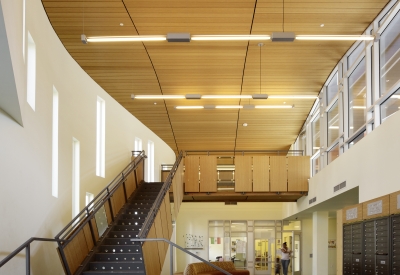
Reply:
x=27 y=207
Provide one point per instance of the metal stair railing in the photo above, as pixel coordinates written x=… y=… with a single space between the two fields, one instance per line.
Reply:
x=172 y=245
x=84 y=217
x=27 y=246
x=157 y=203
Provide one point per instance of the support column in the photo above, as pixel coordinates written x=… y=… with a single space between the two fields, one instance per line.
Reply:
x=320 y=243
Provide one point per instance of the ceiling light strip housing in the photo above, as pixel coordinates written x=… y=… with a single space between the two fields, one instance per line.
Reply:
x=248 y=106
x=335 y=37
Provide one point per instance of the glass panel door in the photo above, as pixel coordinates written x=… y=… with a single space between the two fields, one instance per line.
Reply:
x=264 y=246
x=292 y=240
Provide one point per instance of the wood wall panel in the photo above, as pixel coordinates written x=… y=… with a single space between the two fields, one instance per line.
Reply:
x=356 y=209
x=88 y=236
x=243 y=174
x=140 y=172
x=192 y=174
x=164 y=220
x=130 y=184
x=178 y=188
x=298 y=173
x=169 y=216
x=108 y=211
x=278 y=174
x=395 y=203
x=95 y=230
x=118 y=199
x=150 y=254
x=208 y=174
x=160 y=234
x=381 y=204
x=261 y=173
x=76 y=251
x=339 y=242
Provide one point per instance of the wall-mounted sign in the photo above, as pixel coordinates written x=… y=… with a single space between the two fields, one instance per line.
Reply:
x=351 y=214
x=374 y=208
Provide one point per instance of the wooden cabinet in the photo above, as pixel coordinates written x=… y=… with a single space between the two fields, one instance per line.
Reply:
x=261 y=174
x=243 y=174
x=278 y=174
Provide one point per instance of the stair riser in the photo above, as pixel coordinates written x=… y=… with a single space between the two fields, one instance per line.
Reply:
x=116 y=266
x=118 y=257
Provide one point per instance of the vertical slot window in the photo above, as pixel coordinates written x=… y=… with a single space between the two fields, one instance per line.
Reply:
x=315 y=131
x=332 y=88
x=75 y=176
x=333 y=123
x=150 y=161
x=54 y=175
x=138 y=145
x=89 y=197
x=390 y=55
x=357 y=98
x=100 y=137
x=31 y=72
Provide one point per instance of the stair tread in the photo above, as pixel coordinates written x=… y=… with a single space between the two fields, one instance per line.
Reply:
x=113 y=272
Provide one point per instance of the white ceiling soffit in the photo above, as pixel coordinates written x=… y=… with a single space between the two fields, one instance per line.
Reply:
x=8 y=90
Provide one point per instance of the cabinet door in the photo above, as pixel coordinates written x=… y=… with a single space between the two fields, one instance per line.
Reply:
x=298 y=173
x=208 y=174
x=261 y=174
x=278 y=174
x=243 y=174
x=192 y=174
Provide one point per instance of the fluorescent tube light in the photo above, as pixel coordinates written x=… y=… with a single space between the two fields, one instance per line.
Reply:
x=230 y=37
x=335 y=37
x=274 y=106
x=395 y=96
x=333 y=127
x=126 y=38
x=189 y=107
x=157 y=96
x=293 y=96
x=358 y=107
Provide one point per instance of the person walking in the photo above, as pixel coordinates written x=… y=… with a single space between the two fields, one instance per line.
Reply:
x=285 y=259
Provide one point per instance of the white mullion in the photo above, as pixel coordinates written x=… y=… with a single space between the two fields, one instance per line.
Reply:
x=345 y=93
x=369 y=75
x=341 y=125
x=323 y=126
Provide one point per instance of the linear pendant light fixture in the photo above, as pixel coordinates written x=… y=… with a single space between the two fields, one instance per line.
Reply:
x=198 y=96
x=249 y=106
x=186 y=37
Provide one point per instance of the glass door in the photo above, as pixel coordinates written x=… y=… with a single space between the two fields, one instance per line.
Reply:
x=293 y=241
x=264 y=248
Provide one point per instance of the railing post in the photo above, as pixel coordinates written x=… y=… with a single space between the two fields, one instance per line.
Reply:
x=28 y=259
x=171 y=261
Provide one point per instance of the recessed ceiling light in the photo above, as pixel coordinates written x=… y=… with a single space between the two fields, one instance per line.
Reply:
x=322 y=25
x=387 y=80
x=244 y=124
x=284 y=102
x=155 y=103
x=121 y=24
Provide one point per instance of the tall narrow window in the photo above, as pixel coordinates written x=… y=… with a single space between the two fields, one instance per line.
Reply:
x=333 y=123
x=54 y=176
x=89 y=198
x=31 y=72
x=150 y=161
x=357 y=98
x=315 y=130
x=75 y=176
x=138 y=145
x=100 y=138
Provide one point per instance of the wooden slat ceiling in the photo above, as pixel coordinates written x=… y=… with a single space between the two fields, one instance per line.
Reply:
x=211 y=67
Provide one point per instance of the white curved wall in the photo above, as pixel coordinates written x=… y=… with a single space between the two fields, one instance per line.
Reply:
x=27 y=207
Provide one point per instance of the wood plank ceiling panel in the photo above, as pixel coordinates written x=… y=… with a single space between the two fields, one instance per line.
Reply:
x=211 y=67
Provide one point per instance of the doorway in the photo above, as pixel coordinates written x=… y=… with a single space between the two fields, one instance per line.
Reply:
x=293 y=240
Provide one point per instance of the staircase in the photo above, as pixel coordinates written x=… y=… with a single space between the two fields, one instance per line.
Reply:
x=116 y=253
